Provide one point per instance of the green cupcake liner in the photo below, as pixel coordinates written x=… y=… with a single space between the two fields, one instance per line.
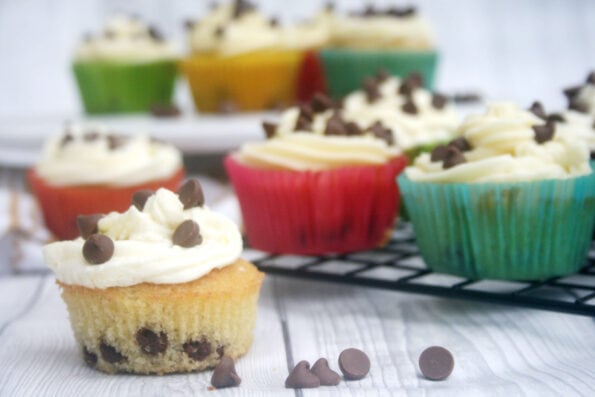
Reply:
x=111 y=87
x=345 y=69
x=515 y=231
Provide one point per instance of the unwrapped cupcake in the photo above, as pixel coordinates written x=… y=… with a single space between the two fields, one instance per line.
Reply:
x=159 y=288
x=320 y=183
x=129 y=67
x=89 y=170
x=511 y=198
x=242 y=60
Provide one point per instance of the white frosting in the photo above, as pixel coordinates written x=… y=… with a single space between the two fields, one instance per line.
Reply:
x=125 y=39
x=579 y=125
x=504 y=150
x=428 y=126
x=91 y=162
x=143 y=248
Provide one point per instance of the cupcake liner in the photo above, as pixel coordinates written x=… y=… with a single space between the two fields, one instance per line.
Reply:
x=110 y=87
x=60 y=205
x=256 y=81
x=345 y=69
x=522 y=230
x=316 y=212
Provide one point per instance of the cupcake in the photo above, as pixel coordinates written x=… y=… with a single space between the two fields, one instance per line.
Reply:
x=90 y=170
x=242 y=60
x=510 y=198
x=397 y=39
x=418 y=118
x=319 y=184
x=127 y=68
x=159 y=288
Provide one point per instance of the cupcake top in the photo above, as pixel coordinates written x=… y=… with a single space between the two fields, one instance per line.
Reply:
x=239 y=28
x=125 y=39
x=163 y=238
x=319 y=136
x=505 y=144
x=94 y=156
x=391 y=28
x=416 y=116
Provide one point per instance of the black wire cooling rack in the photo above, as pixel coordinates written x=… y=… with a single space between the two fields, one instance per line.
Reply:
x=399 y=267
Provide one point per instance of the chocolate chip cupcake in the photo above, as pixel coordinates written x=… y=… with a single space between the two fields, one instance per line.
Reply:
x=511 y=198
x=160 y=288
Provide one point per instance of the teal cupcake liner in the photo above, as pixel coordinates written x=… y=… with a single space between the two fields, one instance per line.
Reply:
x=112 y=87
x=345 y=69
x=515 y=231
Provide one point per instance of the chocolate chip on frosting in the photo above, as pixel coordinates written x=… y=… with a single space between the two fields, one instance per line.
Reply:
x=335 y=126
x=87 y=224
x=274 y=22
x=155 y=34
x=140 y=197
x=402 y=12
x=150 y=342
x=191 y=195
x=382 y=75
x=571 y=92
x=436 y=363
x=197 y=350
x=409 y=107
x=411 y=83
x=91 y=136
x=545 y=132
x=439 y=153
x=115 y=141
x=219 y=31
x=98 y=249
x=351 y=128
x=225 y=374
x=189 y=24
x=66 y=139
x=301 y=377
x=110 y=354
x=327 y=376
x=578 y=106
x=371 y=89
x=187 y=234
x=453 y=157
x=460 y=143
x=538 y=110
x=354 y=364
x=320 y=103
x=303 y=124
x=555 y=117
x=590 y=78
x=270 y=129
x=439 y=101
x=379 y=131
x=306 y=112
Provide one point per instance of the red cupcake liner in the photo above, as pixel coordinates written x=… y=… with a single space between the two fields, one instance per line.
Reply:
x=61 y=205
x=315 y=212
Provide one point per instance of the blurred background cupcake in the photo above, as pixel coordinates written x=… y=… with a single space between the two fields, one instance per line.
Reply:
x=90 y=170
x=242 y=60
x=128 y=67
x=396 y=38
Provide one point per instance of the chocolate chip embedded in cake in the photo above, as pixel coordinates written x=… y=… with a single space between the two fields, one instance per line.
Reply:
x=197 y=350
x=150 y=342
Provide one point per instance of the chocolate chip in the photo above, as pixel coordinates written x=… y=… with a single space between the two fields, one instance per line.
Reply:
x=382 y=75
x=555 y=117
x=187 y=234
x=87 y=224
x=197 y=350
x=371 y=89
x=150 y=342
x=578 y=106
x=415 y=80
x=354 y=364
x=191 y=195
x=91 y=136
x=466 y=97
x=155 y=34
x=545 y=132
x=116 y=141
x=320 y=103
x=591 y=78
x=270 y=129
x=453 y=157
x=409 y=107
x=98 y=249
x=436 y=363
x=189 y=24
x=335 y=126
x=439 y=153
x=219 y=31
x=301 y=377
x=460 y=143
x=352 y=128
x=89 y=357
x=274 y=22
x=306 y=112
x=538 y=110
x=379 y=131
x=327 y=376
x=140 y=197
x=225 y=374
x=227 y=106
x=165 y=110
x=110 y=354
x=66 y=139
x=402 y=12
x=439 y=101
x=303 y=124
x=369 y=11
x=571 y=92
x=241 y=7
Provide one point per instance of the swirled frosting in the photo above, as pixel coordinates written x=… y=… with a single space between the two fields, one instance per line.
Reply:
x=96 y=157
x=580 y=125
x=429 y=122
x=507 y=144
x=143 y=247
x=125 y=39
x=239 y=28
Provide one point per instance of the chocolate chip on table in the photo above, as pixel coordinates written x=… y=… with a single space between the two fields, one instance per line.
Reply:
x=301 y=377
x=439 y=153
x=538 y=110
x=150 y=342
x=110 y=354
x=439 y=101
x=545 y=132
x=370 y=87
x=98 y=249
x=197 y=350
x=327 y=376
x=87 y=224
x=165 y=110
x=354 y=364
x=187 y=234
x=460 y=143
x=270 y=129
x=409 y=107
x=453 y=157
x=89 y=357
x=191 y=195
x=436 y=363
x=225 y=374
x=140 y=197
x=320 y=103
